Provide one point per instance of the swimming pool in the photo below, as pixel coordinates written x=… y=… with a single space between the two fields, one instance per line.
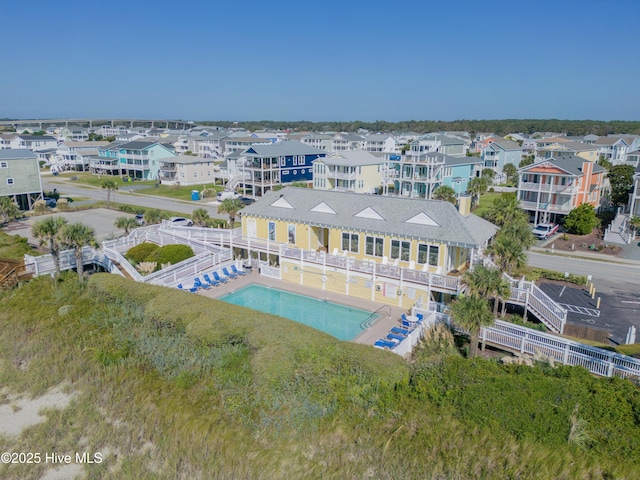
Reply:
x=339 y=321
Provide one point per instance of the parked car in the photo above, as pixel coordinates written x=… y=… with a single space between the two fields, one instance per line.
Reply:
x=226 y=194
x=181 y=222
x=50 y=202
x=246 y=201
x=545 y=230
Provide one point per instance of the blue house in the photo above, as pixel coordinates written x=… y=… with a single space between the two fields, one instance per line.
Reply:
x=457 y=171
x=417 y=175
x=138 y=160
x=264 y=166
x=500 y=152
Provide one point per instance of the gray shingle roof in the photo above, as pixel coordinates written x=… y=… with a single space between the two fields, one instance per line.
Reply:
x=282 y=149
x=6 y=154
x=506 y=144
x=570 y=164
x=351 y=158
x=452 y=227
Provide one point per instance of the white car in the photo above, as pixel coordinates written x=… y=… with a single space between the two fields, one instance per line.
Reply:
x=545 y=230
x=180 y=222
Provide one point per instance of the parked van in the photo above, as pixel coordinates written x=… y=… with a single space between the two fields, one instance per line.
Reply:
x=226 y=194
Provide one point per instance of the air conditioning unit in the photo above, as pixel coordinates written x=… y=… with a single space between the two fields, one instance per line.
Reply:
x=378 y=287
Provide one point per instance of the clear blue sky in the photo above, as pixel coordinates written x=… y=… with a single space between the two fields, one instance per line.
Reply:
x=329 y=60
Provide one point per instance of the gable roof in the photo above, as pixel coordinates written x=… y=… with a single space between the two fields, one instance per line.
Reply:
x=570 y=164
x=283 y=149
x=425 y=220
x=16 y=153
x=505 y=144
x=352 y=158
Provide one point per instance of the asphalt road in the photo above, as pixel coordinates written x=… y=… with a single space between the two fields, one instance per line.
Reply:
x=620 y=273
x=68 y=189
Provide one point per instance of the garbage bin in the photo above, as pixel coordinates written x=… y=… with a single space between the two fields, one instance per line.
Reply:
x=195 y=195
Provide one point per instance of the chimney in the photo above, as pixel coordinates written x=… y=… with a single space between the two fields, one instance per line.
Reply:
x=464 y=205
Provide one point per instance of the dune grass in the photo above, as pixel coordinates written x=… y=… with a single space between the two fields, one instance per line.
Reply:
x=181 y=386
x=14 y=246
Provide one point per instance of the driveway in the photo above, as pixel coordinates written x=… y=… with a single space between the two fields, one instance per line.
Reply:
x=100 y=219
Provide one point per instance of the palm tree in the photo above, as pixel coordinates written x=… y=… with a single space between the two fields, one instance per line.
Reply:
x=508 y=252
x=511 y=172
x=126 y=223
x=76 y=236
x=487 y=283
x=200 y=217
x=505 y=209
x=489 y=174
x=471 y=313
x=519 y=228
x=477 y=186
x=48 y=232
x=8 y=210
x=444 y=192
x=230 y=206
x=111 y=186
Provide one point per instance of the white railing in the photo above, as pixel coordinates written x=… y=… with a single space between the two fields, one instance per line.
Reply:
x=271 y=272
x=567 y=352
x=190 y=268
x=436 y=281
x=117 y=257
x=527 y=293
x=43 y=265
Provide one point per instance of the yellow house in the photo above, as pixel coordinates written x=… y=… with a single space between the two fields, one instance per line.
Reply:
x=349 y=171
x=425 y=235
x=393 y=250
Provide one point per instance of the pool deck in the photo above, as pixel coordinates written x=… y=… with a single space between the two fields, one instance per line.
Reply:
x=378 y=330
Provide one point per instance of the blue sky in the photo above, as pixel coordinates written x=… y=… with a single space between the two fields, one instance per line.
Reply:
x=321 y=61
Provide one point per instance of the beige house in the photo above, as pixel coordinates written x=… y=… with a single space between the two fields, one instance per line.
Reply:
x=349 y=171
x=187 y=170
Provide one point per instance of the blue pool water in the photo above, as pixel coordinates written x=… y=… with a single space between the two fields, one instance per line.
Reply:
x=339 y=321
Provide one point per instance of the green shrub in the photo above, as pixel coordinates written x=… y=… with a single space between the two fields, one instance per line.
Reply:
x=537 y=273
x=170 y=254
x=138 y=253
x=132 y=209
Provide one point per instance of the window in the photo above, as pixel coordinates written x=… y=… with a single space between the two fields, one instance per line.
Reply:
x=10 y=181
x=428 y=254
x=374 y=246
x=4 y=165
x=350 y=242
x=400 y=249
x=283 y=161
x=272 y=231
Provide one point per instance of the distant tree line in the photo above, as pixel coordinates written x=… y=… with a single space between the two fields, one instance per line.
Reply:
x=500 y=127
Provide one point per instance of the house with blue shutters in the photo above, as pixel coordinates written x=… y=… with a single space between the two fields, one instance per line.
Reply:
x=262 y=167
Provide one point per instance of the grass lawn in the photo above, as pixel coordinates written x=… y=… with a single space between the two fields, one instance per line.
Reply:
x=14 y=246
x=167 y=384
x=178 y=193
x=486 y=202
x=96 y=180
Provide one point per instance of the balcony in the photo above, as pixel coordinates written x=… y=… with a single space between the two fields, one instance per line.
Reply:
x=548 y=187
x=344 y=176
x=546 y=207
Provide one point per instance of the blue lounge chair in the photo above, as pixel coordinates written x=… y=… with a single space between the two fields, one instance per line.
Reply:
x=394 y=336
x=198 y=283
x=236 y=271
x=400 y=331
x=219 y=278
x=213 y=283
x=382 y=343
x=408 y=325
x=190 y=289
x=228 y=274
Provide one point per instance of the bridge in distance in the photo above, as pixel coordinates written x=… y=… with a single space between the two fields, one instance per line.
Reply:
x=90 y=122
